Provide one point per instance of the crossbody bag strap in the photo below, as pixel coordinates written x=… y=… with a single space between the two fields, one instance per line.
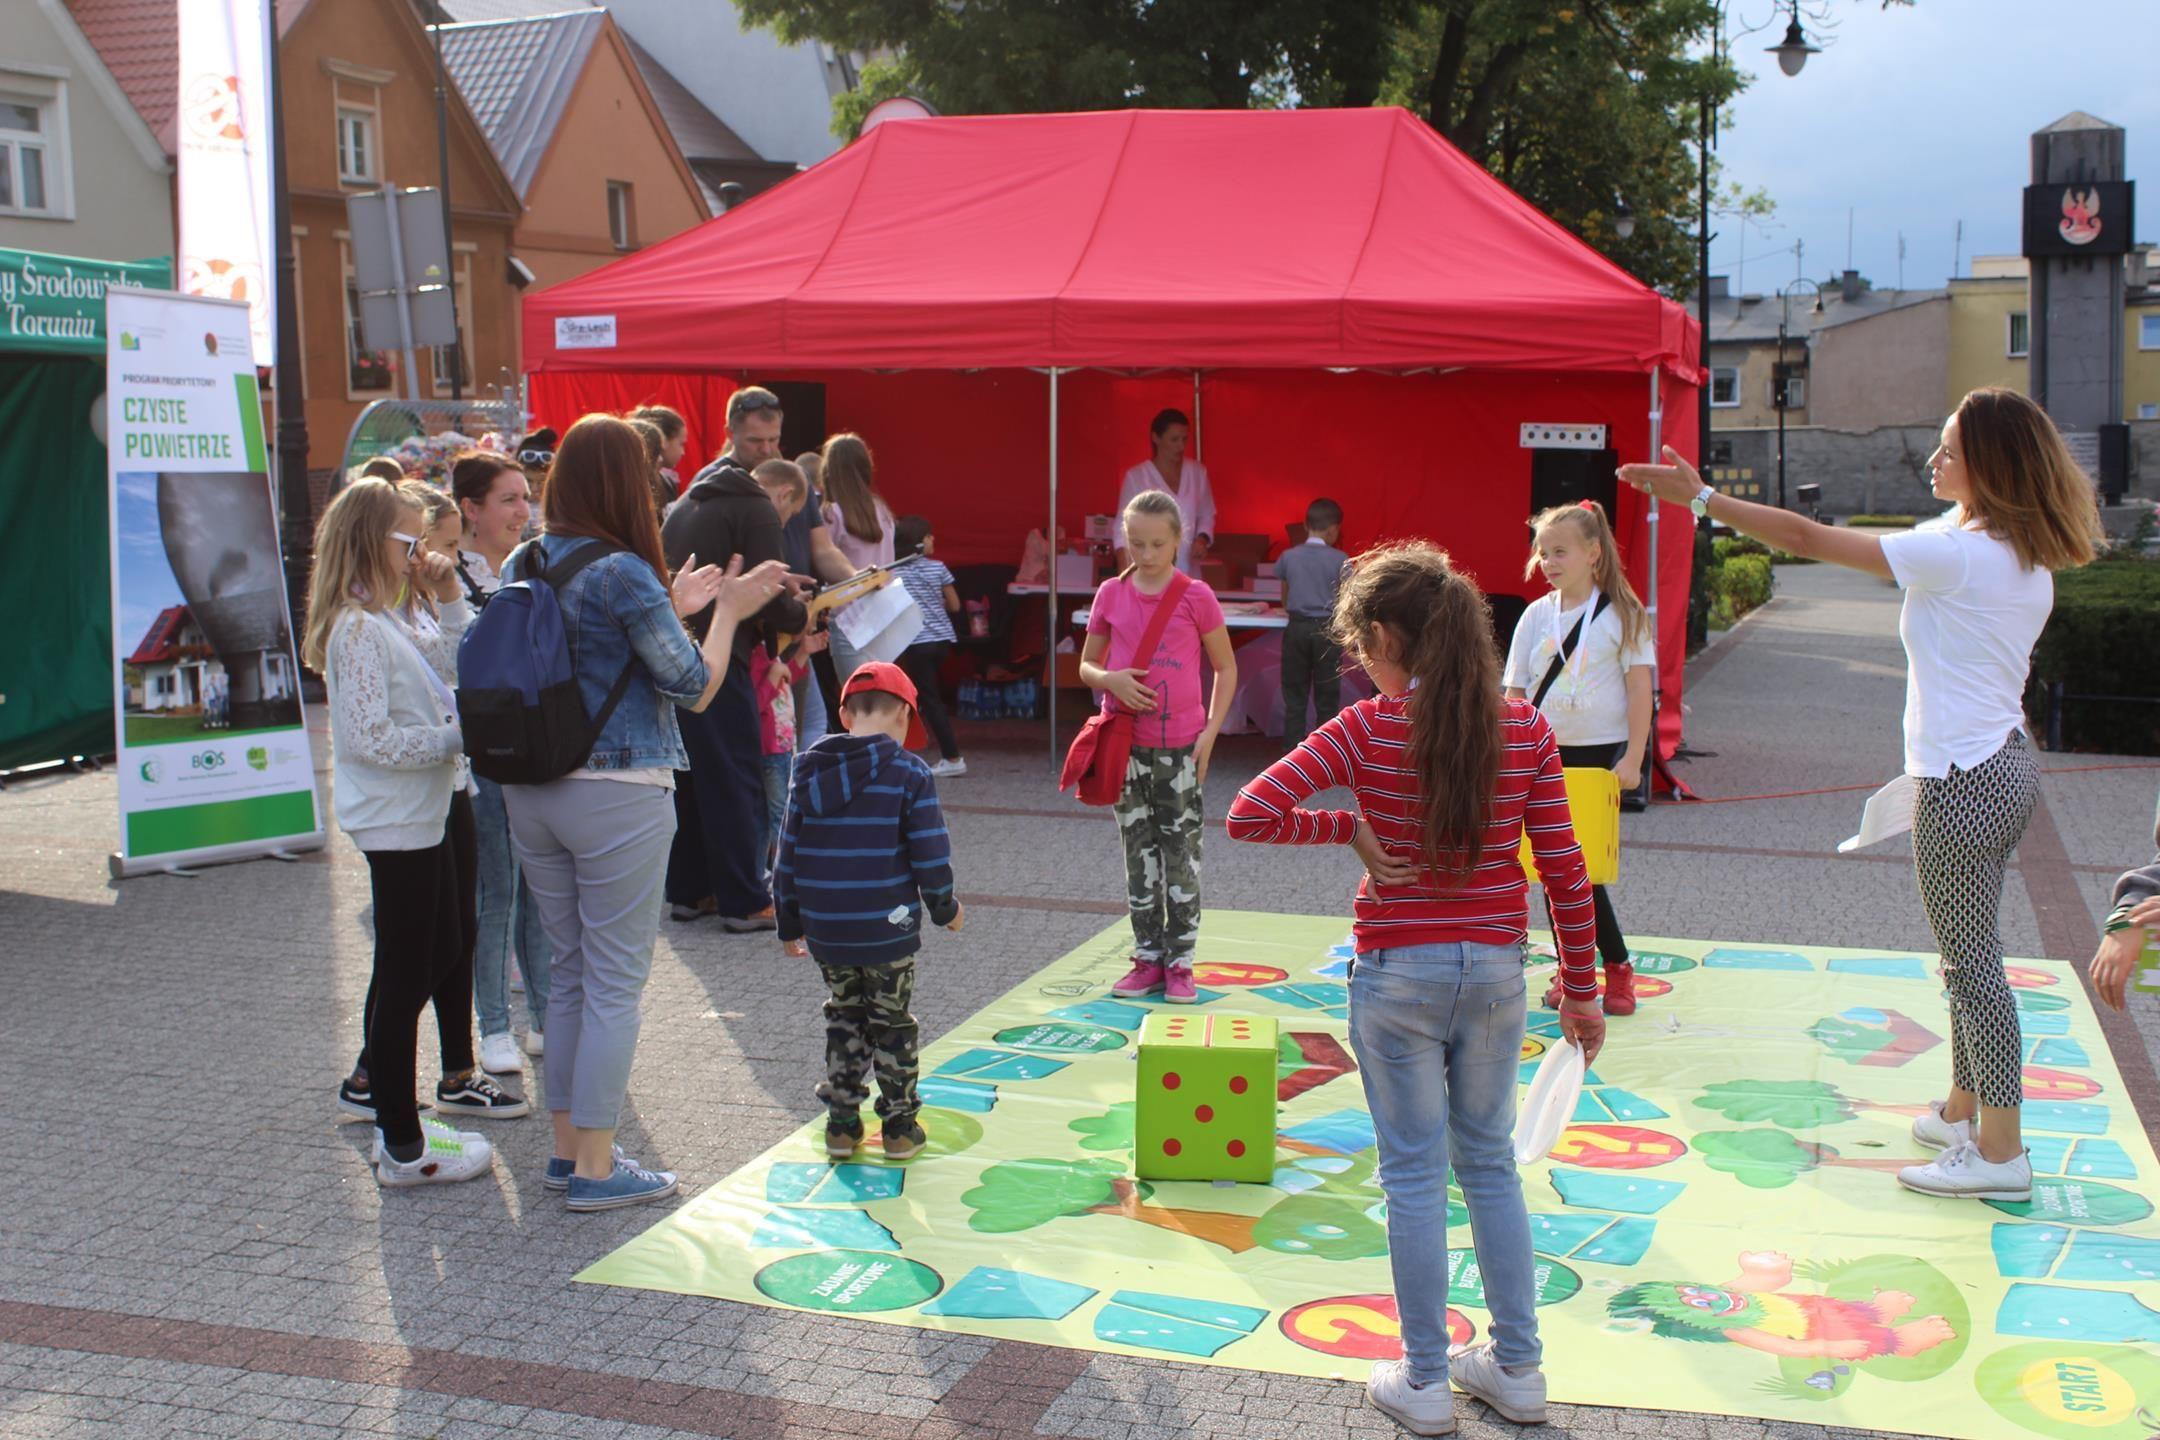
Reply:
x=1150 y=638
x=1567 y=649
x=559 y=575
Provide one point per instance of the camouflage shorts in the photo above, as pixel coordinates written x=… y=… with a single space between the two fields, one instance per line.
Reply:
x=1159 y=818
x=868 y=1028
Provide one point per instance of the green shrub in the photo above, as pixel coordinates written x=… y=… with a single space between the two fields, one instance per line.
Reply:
x=1884 y=522
x=2099 y=642
x=1746 y=578
x=1724 y=547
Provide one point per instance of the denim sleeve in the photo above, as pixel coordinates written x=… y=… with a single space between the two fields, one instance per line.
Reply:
x=640 y=604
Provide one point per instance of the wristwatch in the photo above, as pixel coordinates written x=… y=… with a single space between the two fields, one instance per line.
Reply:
x=1701 y=503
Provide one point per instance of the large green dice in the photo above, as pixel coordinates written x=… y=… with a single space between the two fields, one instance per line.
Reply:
x=1205 y=1101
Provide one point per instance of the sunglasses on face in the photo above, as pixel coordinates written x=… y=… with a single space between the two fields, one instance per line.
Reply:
x=412 y=542
x=536 y=457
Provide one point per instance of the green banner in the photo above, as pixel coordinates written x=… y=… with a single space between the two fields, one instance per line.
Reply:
x=55 y=304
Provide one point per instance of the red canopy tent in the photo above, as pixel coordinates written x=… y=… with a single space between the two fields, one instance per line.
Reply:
x=1350 y=305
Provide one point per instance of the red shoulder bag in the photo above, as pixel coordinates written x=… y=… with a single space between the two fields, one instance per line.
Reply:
x=1095 y=765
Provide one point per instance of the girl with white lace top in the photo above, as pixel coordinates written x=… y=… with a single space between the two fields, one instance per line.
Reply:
x=396 y=762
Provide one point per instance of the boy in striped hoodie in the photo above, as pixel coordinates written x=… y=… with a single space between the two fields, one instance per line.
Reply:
x=863 y=857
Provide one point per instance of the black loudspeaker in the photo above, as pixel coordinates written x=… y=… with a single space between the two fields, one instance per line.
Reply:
x=802 y=415
x=2114 y=462
x=1569 y=477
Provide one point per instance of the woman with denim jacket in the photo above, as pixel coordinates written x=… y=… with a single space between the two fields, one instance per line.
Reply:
x=594 y=844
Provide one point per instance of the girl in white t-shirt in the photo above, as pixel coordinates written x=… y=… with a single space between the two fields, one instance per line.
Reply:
x=1598 y=703
x=1978 y=589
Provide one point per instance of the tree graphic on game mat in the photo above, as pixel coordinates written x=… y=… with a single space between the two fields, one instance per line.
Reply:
x=1772 y=1159
x=1790 y=1104
x=1021 y=1194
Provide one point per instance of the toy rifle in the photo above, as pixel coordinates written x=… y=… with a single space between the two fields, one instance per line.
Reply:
x=841 y=592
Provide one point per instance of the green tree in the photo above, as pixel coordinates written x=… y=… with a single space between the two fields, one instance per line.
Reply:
x=1111 y=1130
x=1022 y=1194
x=1772 y=1159
x=1789 y=1104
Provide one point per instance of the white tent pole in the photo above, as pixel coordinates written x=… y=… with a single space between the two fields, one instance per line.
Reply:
x=1650 y=597
x=1050 y=662
x=1196 y=415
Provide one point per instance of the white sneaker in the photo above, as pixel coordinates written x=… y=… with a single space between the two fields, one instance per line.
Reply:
x=535 y=1043
x=949 y=767
x=1517 y=1395
x=447 y=1156
x=1937 y=1133
x=499 y=1054
x=1427 y=1411
x=433 y=1129
x=1962 y=1173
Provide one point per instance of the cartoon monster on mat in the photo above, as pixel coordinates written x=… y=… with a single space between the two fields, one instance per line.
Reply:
x=1758 y=1310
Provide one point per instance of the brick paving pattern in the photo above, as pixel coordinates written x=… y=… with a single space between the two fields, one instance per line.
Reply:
x=193 y=1247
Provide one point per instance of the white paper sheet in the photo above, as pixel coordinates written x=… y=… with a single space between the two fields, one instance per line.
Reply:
x=881 y=624
x=1888 y=812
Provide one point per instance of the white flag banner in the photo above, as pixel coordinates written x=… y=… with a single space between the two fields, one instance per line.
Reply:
x=226 y=249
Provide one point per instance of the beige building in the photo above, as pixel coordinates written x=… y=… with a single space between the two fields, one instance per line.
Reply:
x=1888 y=346
x=1991 y=330
x=81 y=172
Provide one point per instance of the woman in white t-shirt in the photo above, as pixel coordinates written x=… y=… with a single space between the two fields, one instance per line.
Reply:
x=1978 y=589
x=1598 y=703
x=859 y=520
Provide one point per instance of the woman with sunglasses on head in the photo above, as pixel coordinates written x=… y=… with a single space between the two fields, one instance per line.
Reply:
x=594 y=843
x=395 y=748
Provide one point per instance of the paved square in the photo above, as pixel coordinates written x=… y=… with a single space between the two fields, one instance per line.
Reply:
x=194 y=1247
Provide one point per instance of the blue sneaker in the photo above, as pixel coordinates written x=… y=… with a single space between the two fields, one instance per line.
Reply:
x=631 y=1184
x=560 y=1170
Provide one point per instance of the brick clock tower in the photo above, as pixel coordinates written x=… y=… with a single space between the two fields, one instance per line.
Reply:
x=2079 y=224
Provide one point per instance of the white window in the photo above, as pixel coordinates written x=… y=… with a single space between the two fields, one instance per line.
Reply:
x=2018 y=335
x=1724 y=386
x=619 y=214
x=1795 y=392
x=2149 y=332
x=2148 y=411
x=368 y=373
x=356 y=153
x=461 y=297
x=33 y=147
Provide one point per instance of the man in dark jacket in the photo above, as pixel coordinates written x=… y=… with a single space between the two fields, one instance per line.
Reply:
x=864 y=862
x=715 y=865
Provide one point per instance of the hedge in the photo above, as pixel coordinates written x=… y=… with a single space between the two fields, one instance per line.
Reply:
x=1736 y=584
x=1882 y=522
x=2100 y=641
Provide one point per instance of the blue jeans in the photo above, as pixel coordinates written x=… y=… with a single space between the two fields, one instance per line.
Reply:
x=810 y=719
x=779 y=771
x=1438 y=1032
x=506 y=909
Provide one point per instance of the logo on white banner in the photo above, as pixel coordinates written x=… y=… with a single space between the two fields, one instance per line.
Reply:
x=585 y=332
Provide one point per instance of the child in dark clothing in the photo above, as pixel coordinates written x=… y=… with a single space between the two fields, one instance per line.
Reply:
x=863 y=855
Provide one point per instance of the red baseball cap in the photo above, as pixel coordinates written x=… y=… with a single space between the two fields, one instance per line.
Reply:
x=884 y=677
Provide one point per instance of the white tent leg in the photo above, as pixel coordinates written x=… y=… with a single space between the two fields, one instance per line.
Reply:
x=1650 y=596
x=1050 y=665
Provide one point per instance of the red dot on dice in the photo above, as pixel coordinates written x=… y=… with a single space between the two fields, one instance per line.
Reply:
x=1238 y=1084
x=1171 y=1147
x=1237 y=1148
x=1204 y=1114
x=1171 y=1081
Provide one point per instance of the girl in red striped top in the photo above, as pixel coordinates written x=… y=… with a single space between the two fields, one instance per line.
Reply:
x=1448 y=776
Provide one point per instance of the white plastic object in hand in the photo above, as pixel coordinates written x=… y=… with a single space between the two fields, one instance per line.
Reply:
x=1550 y=1106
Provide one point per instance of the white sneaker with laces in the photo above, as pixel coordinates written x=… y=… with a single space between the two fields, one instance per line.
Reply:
x=955 y=766
x=1937 y=1133
x=1962 y=1173
x=1517 y=1394
x=499 y=1054
x=535 y=1043
x=444 y=1159
x=433 y=1129
x=1426 y=1411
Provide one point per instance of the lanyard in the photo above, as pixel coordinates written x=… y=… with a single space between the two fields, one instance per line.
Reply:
x=1572 y=668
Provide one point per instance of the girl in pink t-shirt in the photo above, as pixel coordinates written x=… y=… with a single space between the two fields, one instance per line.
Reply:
x=1159 y=813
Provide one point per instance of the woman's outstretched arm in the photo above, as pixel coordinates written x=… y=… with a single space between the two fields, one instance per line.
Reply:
x=1677 y=483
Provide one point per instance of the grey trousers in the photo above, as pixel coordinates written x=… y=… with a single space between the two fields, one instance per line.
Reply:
x=595 y=856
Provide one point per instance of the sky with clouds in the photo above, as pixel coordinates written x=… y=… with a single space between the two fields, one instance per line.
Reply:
x=1919 y=116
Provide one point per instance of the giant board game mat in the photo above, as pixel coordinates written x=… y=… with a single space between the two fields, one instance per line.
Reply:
x=1720 y=1230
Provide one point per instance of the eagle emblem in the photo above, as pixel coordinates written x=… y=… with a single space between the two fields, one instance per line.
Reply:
x=2081 y=216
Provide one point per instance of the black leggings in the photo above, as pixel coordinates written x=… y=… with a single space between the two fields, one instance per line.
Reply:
x=922 y=663
x=424 y=935
x=1611 y=944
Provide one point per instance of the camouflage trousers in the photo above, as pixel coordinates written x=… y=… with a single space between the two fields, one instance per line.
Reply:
x=868 y=1028
x=1159 y=819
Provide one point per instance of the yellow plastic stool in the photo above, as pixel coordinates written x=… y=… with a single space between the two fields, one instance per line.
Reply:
x=1593 y=798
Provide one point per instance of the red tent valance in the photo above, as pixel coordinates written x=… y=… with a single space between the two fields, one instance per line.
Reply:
x=1251 y=239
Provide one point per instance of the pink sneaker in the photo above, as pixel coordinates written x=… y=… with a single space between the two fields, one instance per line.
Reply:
x=1145 y=978
x=1178 y=986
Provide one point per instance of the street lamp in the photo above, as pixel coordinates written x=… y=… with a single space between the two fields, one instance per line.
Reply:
x=1623 y=219
x=1793 y=50
x=1779 y=379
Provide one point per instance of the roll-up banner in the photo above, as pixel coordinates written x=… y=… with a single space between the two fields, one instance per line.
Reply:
x=214 y=762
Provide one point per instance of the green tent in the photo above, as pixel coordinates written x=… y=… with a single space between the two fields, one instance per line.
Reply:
x=56 y=647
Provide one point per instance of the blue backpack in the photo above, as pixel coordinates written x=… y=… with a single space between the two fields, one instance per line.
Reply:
x=518 y=699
